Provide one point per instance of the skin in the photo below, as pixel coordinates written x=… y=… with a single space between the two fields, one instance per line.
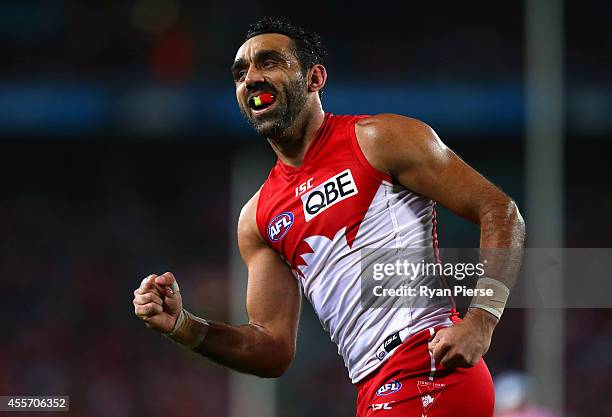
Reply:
x=407 y=149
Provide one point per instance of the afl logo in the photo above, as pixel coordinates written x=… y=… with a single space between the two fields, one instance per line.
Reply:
x=279 y=226
x=389 y=388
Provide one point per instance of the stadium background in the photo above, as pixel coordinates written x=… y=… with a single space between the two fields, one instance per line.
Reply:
x=118 y=136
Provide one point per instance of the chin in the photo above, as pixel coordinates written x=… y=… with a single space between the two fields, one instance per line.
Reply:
x=269 y=126
x=269 y=129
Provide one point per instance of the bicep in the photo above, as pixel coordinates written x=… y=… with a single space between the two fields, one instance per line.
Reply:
x=273 y=294
x=442 y=176
x=413 y=154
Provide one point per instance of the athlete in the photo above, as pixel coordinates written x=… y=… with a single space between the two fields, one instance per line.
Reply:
x=342 y=184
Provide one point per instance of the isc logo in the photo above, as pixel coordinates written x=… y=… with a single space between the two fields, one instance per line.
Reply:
x=383 y=406
x=391 y=340
x=330 y=192
x=389 y=388
x=280 y=225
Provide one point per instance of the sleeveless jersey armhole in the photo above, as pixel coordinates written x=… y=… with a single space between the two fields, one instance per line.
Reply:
x=358 y=152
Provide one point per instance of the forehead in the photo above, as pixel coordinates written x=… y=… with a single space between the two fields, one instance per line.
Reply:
x=266 y=41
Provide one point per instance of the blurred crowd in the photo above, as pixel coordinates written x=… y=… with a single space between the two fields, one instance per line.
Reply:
x=170 y=40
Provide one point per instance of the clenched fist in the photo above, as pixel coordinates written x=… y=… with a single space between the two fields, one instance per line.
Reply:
x=158 y=302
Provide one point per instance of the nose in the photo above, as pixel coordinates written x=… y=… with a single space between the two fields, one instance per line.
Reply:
x=254 y=76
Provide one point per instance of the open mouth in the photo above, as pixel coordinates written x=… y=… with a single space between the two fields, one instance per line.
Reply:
x=261 y=101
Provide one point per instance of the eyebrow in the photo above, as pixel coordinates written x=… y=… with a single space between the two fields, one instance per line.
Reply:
x=259 y=56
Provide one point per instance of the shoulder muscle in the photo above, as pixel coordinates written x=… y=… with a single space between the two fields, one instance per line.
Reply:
x=393 y=143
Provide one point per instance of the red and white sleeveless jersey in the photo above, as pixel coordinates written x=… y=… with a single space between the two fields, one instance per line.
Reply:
x=319 y=216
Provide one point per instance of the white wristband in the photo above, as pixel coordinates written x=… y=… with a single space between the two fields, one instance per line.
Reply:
x=185 y=333
x=495 y=303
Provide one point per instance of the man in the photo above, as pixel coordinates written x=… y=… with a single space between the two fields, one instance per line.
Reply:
x=342 y=184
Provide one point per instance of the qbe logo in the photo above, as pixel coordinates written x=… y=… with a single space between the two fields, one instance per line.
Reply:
x=389 y=388
x=279 y=226
x=330 y=192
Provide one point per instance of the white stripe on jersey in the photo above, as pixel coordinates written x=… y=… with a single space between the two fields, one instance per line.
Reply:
x=396 y=218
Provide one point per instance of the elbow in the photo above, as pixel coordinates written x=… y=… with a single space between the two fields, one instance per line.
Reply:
x=277 y=363
x=274 y=371
x=503 y=214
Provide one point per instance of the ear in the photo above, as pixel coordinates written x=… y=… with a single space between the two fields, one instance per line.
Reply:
x=318 y=76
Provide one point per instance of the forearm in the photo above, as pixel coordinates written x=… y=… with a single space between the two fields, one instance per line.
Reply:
x=502 y=234
x=501 y=249
x=248 y=348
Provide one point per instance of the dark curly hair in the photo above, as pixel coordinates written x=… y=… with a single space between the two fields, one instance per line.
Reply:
x=308 y=48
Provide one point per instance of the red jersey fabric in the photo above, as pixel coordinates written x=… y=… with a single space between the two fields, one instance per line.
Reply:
x=334 y=150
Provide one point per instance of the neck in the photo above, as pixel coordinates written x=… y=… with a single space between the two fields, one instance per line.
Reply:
x=292 y=146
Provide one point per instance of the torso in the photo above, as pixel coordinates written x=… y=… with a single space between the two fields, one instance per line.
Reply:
x=319 y=217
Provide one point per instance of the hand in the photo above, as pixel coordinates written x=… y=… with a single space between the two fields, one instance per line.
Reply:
x=158 y=302
x=464 y=343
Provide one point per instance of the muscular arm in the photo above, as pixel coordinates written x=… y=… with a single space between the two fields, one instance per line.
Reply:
x=266 y=345
x=411 y=152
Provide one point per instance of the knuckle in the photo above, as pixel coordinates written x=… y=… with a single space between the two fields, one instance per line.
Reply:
x=146 y=280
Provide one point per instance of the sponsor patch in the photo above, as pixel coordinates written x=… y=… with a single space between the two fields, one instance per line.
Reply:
x=279 y=226
x=332 y=191
x=389 y=388
x=388 y=345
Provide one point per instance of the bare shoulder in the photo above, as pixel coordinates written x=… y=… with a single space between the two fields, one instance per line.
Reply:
x=248 y=212
x=390 y=139
x=249 y=237
x=388 y=129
